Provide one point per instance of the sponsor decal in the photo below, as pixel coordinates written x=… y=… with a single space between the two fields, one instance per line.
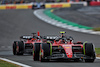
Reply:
x=67 y=47
x=56 y=6
x=14 y=6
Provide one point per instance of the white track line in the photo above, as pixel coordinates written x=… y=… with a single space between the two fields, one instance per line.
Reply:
x=98 y=58
x=39 y=13
x=17 y=63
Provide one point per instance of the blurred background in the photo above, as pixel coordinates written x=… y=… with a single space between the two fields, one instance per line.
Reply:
x=47 y=1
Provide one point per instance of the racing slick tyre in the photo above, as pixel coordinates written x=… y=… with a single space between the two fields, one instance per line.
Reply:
x=90 y=52
x=43 y=6
x=19 y=48
x=14 y=48
x=46 y=52
x=36 y=51
x=33 y=6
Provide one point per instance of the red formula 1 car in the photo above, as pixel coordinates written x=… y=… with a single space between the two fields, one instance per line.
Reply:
x=63 y=48
x=25 y=45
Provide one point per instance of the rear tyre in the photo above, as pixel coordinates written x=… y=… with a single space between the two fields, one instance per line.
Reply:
x=20 y=48
x=36 y=51
x=90 y=52
x=14 y=48
x=46 y=52
x=33 y=6
x=43 y=6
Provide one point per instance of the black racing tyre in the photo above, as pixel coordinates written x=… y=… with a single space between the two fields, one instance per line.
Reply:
x=46 y=51
x=20 y=51
x=90 y=51
x=36 y=49
x=33 y=6
x=14 y=48
x=43 y=6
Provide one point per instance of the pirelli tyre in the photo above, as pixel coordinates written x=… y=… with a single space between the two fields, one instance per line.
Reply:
x=18 y=48
x=14 y=48
x=89 y=50
x=33 y=6
x=36 y=51
x=43 y=6
x=45 y=52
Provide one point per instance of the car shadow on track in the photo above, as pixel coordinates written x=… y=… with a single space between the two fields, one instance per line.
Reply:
x=63 y=61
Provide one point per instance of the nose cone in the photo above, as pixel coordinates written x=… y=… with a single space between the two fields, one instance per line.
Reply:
x=69 y=55
x=68 y=50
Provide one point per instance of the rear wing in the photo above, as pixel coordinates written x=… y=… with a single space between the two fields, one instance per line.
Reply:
x=26 y=37
x=52 y=38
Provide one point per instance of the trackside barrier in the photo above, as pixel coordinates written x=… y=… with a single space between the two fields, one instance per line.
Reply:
x=57 y=5
x=3 y=7
x=94 y=3
x=47 y=5
x=49 y=13
x=65 y=4
x=16 y=6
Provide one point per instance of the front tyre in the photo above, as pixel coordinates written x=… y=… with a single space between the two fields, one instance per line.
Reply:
x=36 y=50
x=45 y=52
x=89 y=51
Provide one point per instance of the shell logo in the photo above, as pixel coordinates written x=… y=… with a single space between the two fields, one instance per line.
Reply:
x=67 y=47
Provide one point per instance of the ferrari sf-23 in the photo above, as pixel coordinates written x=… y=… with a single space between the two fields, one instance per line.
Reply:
x=25 y=45
x=63 y=48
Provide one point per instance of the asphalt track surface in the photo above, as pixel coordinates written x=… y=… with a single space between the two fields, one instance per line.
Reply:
x=14 y=23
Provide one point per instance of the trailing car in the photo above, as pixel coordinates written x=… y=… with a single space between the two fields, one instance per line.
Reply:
x=38 y=5
x=25 y=45
x=63 y=48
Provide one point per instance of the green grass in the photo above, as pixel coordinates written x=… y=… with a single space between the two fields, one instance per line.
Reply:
x=7 y=64
x=96 y=29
